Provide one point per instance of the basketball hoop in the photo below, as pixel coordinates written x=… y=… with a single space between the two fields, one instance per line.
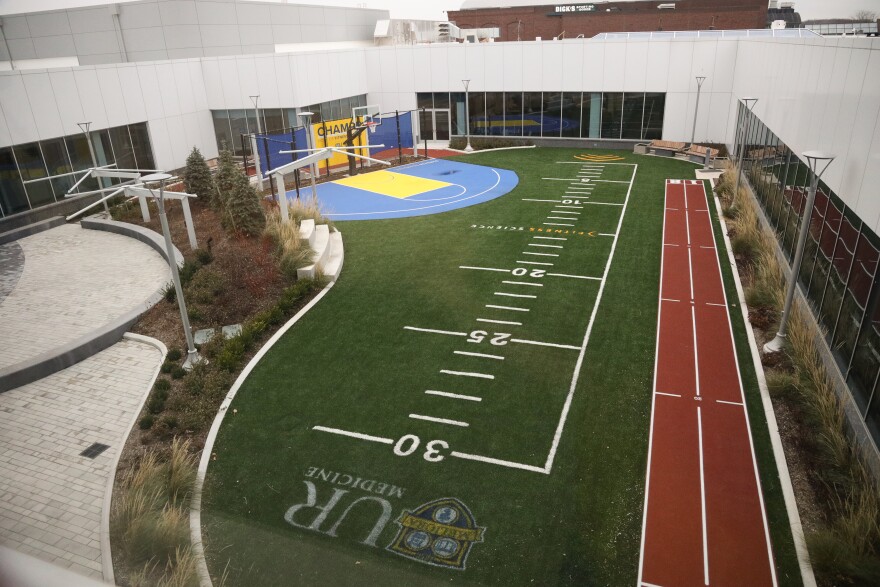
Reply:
x=371 y=126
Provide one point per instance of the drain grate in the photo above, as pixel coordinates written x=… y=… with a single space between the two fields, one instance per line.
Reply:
x=94 y=450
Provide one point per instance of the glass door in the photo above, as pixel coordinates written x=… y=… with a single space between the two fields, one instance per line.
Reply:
x=441 y=125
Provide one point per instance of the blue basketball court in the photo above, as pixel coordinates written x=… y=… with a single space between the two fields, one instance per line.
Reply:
x=417 y=189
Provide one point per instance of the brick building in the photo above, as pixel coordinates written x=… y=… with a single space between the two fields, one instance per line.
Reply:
x=527 y=19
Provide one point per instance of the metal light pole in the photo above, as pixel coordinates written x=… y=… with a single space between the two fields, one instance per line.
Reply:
x=737 y=167
x=700 y=80
x=192 y=355
x=467 y=116
x=84 y=127
x=258 y=172
x=307 y=123
x=814 y=159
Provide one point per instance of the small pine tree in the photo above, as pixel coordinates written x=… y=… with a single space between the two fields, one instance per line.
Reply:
x=197 y=177
x=226 y=173
x=243 y=213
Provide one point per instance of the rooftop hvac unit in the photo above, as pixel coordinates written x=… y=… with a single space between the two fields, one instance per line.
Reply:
x=443 y=29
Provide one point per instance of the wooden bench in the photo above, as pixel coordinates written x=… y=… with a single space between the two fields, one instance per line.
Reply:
x=665 y=148
x=697 y=153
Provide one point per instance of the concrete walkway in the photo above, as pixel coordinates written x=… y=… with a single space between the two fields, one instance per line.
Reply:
x=52 y=497
x=57 y=287
x=72 y=281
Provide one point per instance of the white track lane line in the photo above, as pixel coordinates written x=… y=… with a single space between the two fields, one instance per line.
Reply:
x=357 y=435
x=439 y=420
x=488 y=321
x=480 y=355
x=511 y=308
x=696 y=350
x=746 y=415
x=471 y=398
x=433 y=331
x=721 y=401
x=515 y=283
x=513 y=295
x=703 y=498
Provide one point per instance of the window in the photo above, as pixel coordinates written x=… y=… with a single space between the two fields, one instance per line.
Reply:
x=551 y=114
x=655 y=104
x=633 y=108
x=140 y=142
x=122 y=147
x=612 y=110
x=12 y=194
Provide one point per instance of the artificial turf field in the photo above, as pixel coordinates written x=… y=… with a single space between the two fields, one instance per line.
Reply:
x=392 y=394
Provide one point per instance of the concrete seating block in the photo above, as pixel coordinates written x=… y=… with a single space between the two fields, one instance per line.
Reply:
x=231 y=331
x=204 y=335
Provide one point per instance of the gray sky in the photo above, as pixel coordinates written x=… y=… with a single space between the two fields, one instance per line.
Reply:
x=434 y=9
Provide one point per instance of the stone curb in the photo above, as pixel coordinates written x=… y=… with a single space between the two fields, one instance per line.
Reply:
x=195 y=512
x=106 y=553
x=31 y=229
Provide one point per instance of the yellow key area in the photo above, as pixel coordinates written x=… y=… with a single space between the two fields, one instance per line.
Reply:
x=388 y=183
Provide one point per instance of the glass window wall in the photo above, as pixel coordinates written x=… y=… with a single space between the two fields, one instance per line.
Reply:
x=839 y=271
x=40 y=173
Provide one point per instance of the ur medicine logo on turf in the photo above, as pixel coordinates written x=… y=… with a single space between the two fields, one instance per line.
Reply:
x=440 y=533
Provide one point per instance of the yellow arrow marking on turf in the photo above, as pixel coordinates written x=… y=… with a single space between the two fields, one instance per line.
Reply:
x=598 y=158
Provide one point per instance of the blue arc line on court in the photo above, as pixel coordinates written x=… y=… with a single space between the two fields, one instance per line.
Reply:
x=467 y=185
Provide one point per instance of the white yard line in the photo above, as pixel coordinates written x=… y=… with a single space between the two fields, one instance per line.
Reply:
x=513 y=295
x=551 y=238
x=433 y=331
x=550 y=344
x=534 y=263
x=480 y=355
x=439 y=420
x=523 y=283
x=467 y=374
x=511 y=308
x=575 y=276
x=471 y=398
x=491 y=461
x=489 y=321
x=484 y=269
x=540 y=254
x=357 y=435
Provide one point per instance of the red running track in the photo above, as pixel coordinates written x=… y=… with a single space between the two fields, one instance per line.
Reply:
x=704 y=521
